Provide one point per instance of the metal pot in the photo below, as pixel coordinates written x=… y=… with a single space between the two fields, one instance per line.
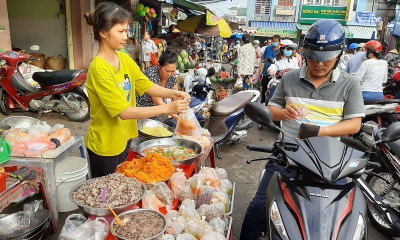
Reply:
x=21 y=122
x=103 y=212
x=152 y=123
x=173 y=142
x=138 y=211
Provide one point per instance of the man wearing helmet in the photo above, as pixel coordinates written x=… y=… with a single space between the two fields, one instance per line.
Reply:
x=345 y=57
x=270 y=52
x=373 y=71
x=318 y=94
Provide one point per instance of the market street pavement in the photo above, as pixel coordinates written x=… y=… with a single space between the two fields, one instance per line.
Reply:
x=246 y=176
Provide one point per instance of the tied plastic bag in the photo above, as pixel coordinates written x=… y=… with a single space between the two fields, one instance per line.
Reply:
x=190 y=214
x=226 y=186
x=191 y=228
x=203 y=227
x=186 y=236
x=202 y=210
x=205 y=195
x=171 y=215
x=33 y=147
x=163 y=192
x=222 y=174
x=69 y=230
x=167 y=237
x=177 y=226
x=185 y=193
x=215 y=210
x=211 y=235
x=211 y=176
x=188 y=125
x=196 y=182
x=187 y=203
x=149 y=201
x=178 y=181
x=222 y=198
x=218 y=225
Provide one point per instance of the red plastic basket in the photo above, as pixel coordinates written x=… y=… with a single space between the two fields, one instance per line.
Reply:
x=3 y=182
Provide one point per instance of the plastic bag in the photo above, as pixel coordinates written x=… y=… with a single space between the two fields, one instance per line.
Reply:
x=96 y=229
x=188 y=124
x=186 y=236
x=222 y=198
x=33 y=206
x=62 y=135
x=195 y=182
x=185 y=193
x=190 y=214
x=187 y=203
x=218 y=225
x=15 y=135
x=203 y=227
x=221 y=173
x=211 y=176
x=205 y=195
x=191 y=227
x=33 y=147
x=211 y=235
x=226 y=186
x=178 y=181
x=177 y=226
x=163 y=192
x=202 y=210
x=69 y=230
x=167 y=237
x=215 y=210
x=171 y=215
x=39 y=130
x=149 y=201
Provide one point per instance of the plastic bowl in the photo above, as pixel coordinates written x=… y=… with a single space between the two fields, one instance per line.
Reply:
x=152 y=123
x=156 y=237
x=103 y=212
x=173 y=142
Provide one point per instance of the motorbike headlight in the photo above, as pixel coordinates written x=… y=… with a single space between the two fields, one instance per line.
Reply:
x=360 y=228
x=275 y=216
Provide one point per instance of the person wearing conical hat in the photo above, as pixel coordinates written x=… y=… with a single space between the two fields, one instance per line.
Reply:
x=391 y=56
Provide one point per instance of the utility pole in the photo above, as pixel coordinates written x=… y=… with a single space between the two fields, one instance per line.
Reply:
x=385 y=21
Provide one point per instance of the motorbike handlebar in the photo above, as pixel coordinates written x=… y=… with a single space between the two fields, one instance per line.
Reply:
x=258 y=148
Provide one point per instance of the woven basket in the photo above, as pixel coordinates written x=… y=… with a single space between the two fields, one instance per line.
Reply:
x=42 y=60
x=56 y=63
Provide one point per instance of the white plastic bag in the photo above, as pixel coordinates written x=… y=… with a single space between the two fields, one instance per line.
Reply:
x=76 y=228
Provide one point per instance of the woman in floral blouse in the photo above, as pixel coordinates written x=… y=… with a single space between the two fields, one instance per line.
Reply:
x=163 y=75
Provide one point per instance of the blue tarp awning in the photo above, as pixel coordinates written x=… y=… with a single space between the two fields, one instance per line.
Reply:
x=274 y=25
x=237 y=35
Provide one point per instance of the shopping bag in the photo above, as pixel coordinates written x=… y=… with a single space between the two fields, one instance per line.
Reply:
x=154 y=59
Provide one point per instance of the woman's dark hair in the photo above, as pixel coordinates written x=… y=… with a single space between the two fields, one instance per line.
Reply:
x=377 y=55
x=280 y=54
x=167 y=57
x=246 y=38
x=211 y=72
x=105 y=16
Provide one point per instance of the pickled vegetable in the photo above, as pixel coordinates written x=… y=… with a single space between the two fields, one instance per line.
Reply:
x=174 y=153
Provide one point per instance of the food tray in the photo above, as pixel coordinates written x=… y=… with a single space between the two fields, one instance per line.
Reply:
x=231 y=199
x=11 y=182
x=228 y=226
x=152 y=123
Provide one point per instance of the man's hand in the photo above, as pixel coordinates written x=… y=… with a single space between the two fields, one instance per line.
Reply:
x=179 y=95
x=291 y=112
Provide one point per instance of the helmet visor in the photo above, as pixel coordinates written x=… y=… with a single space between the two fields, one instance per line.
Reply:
x=320 y=56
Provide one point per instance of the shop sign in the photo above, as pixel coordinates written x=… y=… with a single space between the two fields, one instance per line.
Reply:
x=367 y=18
x=284 y=12
x=312 y=13
x=269 y=32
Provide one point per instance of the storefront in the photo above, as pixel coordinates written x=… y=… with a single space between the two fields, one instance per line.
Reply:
x=266 y=29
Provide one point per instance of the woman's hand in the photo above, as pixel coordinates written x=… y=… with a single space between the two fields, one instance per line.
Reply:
x=291 y=112
x=178 y=106
x=179 y=95
x=271 y=72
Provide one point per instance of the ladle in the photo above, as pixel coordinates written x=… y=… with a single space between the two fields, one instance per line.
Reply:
x=117 y=219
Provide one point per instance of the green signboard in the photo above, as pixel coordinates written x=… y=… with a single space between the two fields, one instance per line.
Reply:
x=269 y=32
x=310 y=13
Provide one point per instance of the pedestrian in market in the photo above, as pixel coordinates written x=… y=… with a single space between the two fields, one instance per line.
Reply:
x=148 y=47
x=163 y=75
x=354 y=62
x=266 y=44
x=256 y=45
x=246 y=56
x=347 y=55
x=112 y=82
x=270 y=52
x=392 y=56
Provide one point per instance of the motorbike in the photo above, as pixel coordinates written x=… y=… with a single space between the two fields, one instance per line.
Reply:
x=382 y=182
x=60 y=91
x=226 y=121
x=312 y=205
x=391 y=88
x=229 y=57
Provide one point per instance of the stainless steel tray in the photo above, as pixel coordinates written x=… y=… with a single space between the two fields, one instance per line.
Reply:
x=11 y=182
x=231 y=199
x=228 y=226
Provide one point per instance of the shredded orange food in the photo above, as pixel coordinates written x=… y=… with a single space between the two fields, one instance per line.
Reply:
x=152 y=168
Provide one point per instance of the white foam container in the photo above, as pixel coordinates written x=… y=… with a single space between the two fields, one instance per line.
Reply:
x=70 y=172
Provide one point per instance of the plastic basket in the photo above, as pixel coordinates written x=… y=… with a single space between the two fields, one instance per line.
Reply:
x=5 y=151
x=3 y=182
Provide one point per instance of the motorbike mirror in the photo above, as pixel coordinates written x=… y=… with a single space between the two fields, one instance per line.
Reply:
x=270 y=60
x=391 y=133
x=260 y=114
x=35 y=48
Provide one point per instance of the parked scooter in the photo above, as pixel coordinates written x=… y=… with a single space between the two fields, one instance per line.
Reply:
x=226 y=122
x=382 y=184
x=312 y=206
x=229 y=57
x=60 y=91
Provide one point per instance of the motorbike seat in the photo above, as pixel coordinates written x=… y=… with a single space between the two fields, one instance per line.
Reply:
x=381 y=101
x=394 y=147
x=231 y=104
x=54 y=78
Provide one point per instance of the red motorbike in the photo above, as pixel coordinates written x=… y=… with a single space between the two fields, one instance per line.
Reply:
x=59 y=91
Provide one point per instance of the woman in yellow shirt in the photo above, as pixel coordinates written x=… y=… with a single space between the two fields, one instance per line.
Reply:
x=112 y=81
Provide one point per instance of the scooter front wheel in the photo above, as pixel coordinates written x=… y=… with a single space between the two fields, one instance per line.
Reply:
x=4 y=108
x=79 y=97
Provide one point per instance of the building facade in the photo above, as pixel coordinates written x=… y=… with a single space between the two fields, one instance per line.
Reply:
x=238 y=14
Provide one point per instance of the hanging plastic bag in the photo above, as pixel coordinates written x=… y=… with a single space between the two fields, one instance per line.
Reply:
x=188 y=124
x=69 y=230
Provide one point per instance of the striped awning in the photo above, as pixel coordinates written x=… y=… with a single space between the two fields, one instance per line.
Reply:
x=304 y=28
x=274 y=25
x=362 y=32
x=248 y=29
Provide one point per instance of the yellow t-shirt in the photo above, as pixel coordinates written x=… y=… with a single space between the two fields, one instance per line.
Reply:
x=112 y=91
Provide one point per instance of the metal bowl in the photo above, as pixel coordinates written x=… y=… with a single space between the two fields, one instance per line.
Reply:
x=152 y=123
x=173 y=142
x=103 y=212
x=156 y=237
x=21 y=122
x=10 y=226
